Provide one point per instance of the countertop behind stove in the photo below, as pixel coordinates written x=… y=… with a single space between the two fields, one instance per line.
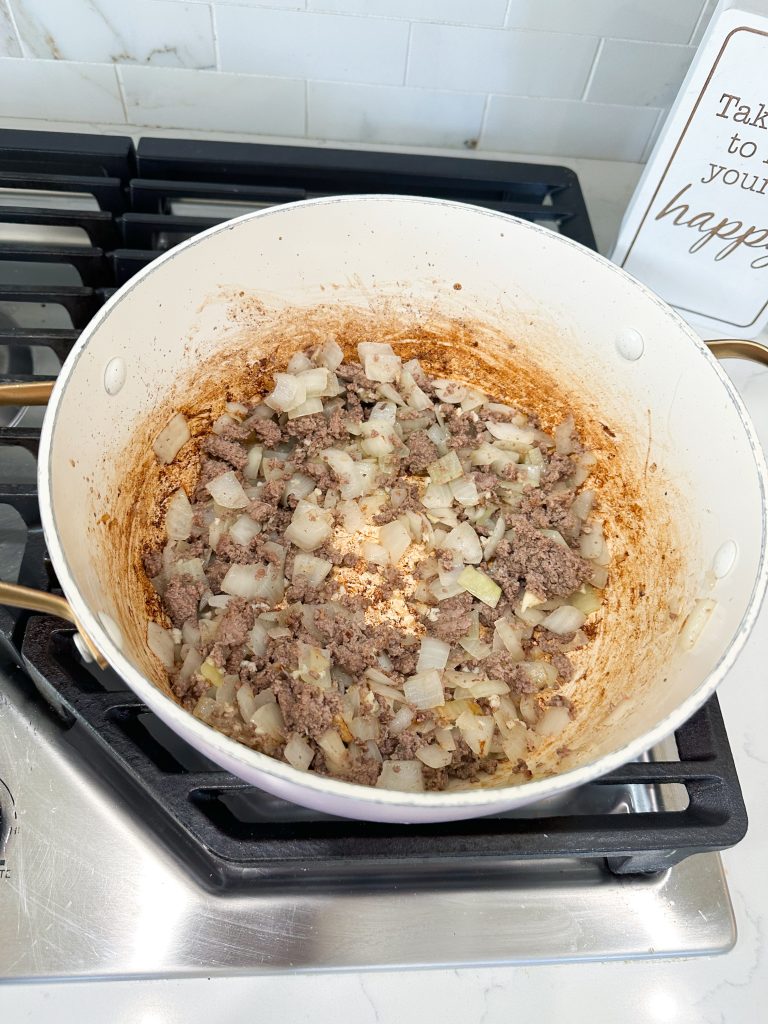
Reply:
x=728 y=989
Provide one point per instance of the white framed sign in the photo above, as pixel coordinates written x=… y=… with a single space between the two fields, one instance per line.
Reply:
x=696 y=230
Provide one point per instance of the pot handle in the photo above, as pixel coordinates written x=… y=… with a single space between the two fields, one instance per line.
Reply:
x=36 y=392
x=738 y=348
x=50 y=604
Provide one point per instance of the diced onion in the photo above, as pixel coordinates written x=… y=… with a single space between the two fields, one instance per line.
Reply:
x=263 y=582
x=330 y=354
x=178 y=516
x=588 y=600
x=225 y=693
x=251 y=468
x=298 y=753
x=403 y=776
x=227 y=491
x=382 y=690
x=310 y=568
x=401 y=719
x=564 y=437
x=445 y=469
x=314 y=665
x=268 y=721
x=464 y=491
x=514 y=736
x=450 y=391
x=433 y=654
x=299 y=361
x=483 y=688
x=509 y=434
x=310 y=526
x=445 y=738
x=510 y=638
x=477 y=731
x=160 y=642
x=492 y=541
x=552 y=721
x=424 y=690
x=307 y=408
x=346 y=469
x=376 y=553
x=414 y=396
x=464 y=541
x=315 y=380
x=289 y=392
x=333 y=747
x=352 y=516
x=191 y=664
x=379 y=361
x=565 y=619
x=257 y=639
x=378 y=438
x=434 y=756
x=696 y=621
x=437 y=496
x=243 y=530
x=396 y=539
x=171 y=439
x=246 y=703
x=480 y=586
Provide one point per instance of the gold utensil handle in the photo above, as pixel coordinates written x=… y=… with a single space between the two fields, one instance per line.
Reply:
x=36 y=392
x=738 y=348
x=50 y=604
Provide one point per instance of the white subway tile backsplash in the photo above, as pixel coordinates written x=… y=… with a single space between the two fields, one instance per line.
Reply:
x=140 y=32
x=639 y=74
x=567 y=128
x=393 y=114
x=703 y=22
x=9 y=44
x=212 y=101
x=308 y=45
x=663 y=21
x=285 y=5
x=60 y=90
x=498 y=61
x=451 y=12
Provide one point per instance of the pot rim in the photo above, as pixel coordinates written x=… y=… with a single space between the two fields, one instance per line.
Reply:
x=208 y=739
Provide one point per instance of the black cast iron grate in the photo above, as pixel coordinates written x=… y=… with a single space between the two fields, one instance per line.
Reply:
x=144 y=200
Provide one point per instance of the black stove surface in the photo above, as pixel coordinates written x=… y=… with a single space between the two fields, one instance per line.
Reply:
x=79 y=215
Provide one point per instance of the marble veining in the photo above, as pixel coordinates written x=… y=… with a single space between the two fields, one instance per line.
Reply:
x=9 y=44
x=156 y=32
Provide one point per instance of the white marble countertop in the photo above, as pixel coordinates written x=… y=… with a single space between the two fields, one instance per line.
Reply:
x=728 y=989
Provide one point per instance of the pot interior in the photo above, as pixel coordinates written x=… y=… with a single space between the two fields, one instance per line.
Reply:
x=525 y=315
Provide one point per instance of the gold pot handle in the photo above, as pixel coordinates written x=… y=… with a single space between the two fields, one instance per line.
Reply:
x=738 y=348
x=36 y=392
x=50 y=604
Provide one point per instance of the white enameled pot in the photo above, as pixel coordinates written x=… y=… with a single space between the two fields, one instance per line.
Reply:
x=505 y=304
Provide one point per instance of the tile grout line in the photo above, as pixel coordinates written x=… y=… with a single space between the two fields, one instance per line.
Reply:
x=592 y=70
x=407 y=54
x=121 y=91
x=215 y=34
x=483 y=120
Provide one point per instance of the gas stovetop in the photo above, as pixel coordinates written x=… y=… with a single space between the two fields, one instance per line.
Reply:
x=122 y=851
